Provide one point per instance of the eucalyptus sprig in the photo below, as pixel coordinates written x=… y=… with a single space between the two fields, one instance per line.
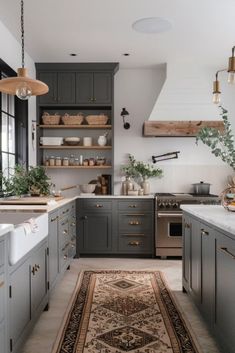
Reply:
x=141 y=169
x=221 y=143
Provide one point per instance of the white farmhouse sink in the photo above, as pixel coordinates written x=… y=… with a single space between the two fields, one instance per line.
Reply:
x=22 y=241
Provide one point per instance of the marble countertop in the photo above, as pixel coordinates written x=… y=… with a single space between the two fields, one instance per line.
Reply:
x=214 y=214
x=5 y=228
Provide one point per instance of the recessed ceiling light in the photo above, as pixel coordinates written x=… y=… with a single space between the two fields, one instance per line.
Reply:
x=152 y=25
x=73 y=54
x=126 y=54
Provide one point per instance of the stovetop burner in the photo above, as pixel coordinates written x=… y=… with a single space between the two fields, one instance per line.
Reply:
x=182 y=195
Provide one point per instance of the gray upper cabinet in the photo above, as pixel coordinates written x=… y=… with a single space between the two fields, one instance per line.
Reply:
x=61 y=87
x=94 y=88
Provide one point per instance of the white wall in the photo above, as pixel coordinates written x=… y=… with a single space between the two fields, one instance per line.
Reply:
x=137 y=91
x=11 y=54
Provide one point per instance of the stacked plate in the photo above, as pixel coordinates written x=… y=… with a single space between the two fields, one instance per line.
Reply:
x=51 y=141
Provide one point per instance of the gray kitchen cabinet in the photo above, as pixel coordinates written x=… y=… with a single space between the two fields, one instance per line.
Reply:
x=3 y=296
x=27 y=293
x=61 y=87
x=135 y=227
x=209 y=277
x=94 y=88
x=95 y=227
x=224 y=310
x=53 y=246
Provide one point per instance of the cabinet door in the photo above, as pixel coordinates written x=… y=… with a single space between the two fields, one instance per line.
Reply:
x=53 y=248
x=225 y=292
x=186 y=251
x=38 y=277
x=19 y=301
x=207 y=271
x=66 y=88
x=97 y=233
x=3 y=340
x=84 y=88
x=50 y=78
x=195 y=271
x=102 y=88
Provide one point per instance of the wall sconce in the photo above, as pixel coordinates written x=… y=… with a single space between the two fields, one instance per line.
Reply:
x=231 y=77
x=124 y=113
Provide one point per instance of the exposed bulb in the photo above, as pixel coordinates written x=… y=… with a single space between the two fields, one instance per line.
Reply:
x=216 y=98
x=231 y=77
x=23 y=91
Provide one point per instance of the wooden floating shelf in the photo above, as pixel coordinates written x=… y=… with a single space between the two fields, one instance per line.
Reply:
x=50 y=147
x=75 y=126
x=79 y=167
x=173 y=128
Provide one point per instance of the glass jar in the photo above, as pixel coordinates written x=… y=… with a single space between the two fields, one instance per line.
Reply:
x=65 y=161
x=85 y=162
x=71 y=160
x=52 y=161
x=91 y=162
x=46 y=161
x=76 y=162
x=58 y=161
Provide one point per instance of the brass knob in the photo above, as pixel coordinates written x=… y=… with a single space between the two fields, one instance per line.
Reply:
x=134 y=223
x=73 y=224
x=65 y=257
x=98 y=205
x=132 y=206
x=65 y=232
x=134 y=243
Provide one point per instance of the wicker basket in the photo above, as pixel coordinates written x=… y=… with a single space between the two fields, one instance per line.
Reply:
x=228 y=199
x=97 y=119
x=72 y=119
x=48 y=119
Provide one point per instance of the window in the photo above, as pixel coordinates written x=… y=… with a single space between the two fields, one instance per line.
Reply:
x=13 y=127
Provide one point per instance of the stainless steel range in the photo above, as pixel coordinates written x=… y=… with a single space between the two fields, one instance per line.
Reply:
x=168 y=220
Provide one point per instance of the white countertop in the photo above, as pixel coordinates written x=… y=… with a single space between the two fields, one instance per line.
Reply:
x=214 y=214
x=5 y=228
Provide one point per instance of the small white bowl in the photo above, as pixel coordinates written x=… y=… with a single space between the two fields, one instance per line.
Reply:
x=87 y=188
x=72 y=140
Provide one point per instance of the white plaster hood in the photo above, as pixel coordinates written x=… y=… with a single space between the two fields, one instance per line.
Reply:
x=186 y=94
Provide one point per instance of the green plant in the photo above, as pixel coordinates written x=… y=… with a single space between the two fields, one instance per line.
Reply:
x=38 y=181
x=140 y=169
x=22 y=181
x=221 y=143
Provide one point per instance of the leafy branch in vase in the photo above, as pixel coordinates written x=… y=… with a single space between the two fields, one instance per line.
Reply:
x=221 y=143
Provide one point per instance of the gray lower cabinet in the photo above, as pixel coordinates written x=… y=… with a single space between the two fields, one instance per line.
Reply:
x=53 y=245
x=209 y=277
x=27 y=293
x=114 y=226
x=3 y=297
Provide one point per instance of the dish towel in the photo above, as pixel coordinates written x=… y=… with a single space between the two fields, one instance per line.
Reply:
x=30 y=226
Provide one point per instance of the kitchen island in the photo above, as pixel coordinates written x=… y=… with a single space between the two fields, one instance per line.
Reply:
x=209 y=267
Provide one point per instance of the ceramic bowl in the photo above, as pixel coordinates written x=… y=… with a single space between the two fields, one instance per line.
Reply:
x=87 y=188
x=72 y=140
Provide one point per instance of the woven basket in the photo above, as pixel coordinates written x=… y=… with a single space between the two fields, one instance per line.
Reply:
x=48 y=119
x=228 y=199
x=97 y=119
x=72 y=119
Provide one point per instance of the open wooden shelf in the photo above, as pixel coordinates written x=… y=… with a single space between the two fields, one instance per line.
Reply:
x=75 y=126
x=50 y=147
x=79 y=167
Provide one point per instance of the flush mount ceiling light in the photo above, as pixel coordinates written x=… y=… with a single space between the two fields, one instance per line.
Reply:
x=21 y=85
x=73 y=54
x=231 y=77
x=152 y=25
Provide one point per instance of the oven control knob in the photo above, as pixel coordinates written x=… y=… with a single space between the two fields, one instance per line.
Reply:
x=161 y=204
x=168 y=204
x=175 y=205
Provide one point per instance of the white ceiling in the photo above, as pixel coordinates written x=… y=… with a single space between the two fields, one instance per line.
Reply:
x=100 y=30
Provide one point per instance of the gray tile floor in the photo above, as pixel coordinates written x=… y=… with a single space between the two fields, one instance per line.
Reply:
x=45 y=331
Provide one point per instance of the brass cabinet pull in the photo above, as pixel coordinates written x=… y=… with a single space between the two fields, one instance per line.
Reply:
x=65 y=231
x=134 y=243
x=67 y=210
x=37 y=267
x=54 y=219
x=225 y=251
x=132 y=206
x=98 y=205
x=133 y=234
x=187 y=225
x=203 y=232
x=1 y=284
x=73 y=224
x=65 y=257
x=134 y=223
x=33 y=271
x=134 y=214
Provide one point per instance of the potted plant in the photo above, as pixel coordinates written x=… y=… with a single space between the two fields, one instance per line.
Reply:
x=38 y=182
x=141 y=169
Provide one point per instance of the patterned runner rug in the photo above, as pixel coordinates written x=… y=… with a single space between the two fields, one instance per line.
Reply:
x=123 y=311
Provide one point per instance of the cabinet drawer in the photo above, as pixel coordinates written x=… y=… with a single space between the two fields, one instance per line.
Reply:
x=135 y=222
x=2 y=253
x=135 y=205
x=2 y=296
x=98 y=205
x=135 y=243
x=65 y=210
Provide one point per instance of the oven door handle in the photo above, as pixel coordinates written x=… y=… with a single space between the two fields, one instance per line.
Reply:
x=167 y=214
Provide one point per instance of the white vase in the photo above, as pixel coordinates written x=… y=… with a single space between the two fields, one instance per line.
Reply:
x=102 y=140
x=146 y=186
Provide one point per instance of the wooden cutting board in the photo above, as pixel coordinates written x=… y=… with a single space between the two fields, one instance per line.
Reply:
x=29 y=200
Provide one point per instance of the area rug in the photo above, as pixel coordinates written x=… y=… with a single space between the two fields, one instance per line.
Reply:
x=123 y=311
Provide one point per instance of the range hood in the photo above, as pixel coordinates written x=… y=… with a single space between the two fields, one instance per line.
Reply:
x=184 y=104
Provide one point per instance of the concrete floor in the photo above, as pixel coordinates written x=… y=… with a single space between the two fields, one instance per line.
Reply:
x=45 y=331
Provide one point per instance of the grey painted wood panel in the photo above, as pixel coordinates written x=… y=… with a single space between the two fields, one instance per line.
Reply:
x=84 y=88
x=102 y=88
x=66 y=88
x=53 y=248
x=50 y=78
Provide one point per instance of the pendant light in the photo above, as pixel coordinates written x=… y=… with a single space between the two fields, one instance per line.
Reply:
x=231 y=68
x=22 y=86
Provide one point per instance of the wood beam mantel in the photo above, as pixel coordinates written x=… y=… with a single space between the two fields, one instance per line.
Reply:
x=173 y=128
